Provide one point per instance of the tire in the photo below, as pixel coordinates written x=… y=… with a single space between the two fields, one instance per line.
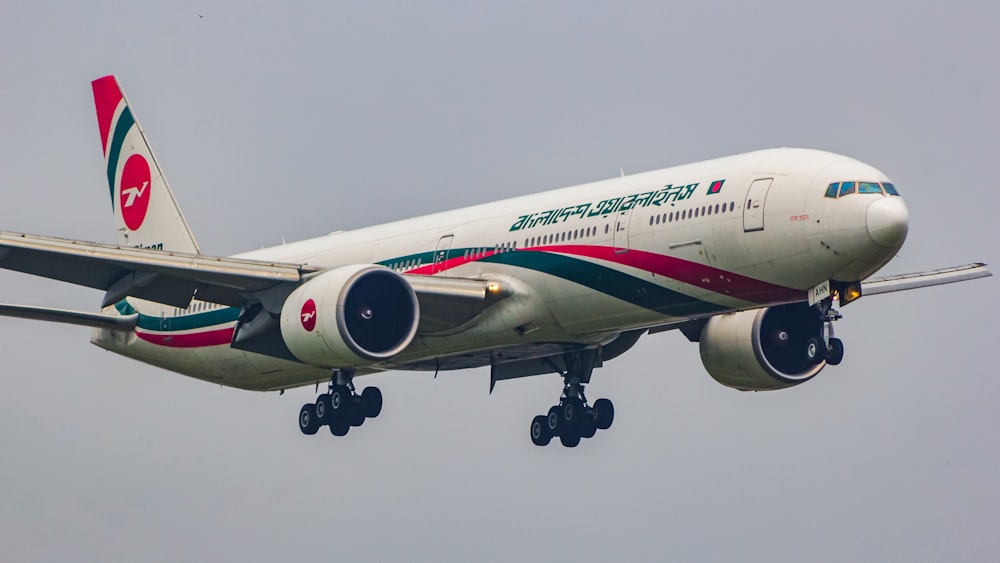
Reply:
x=815 y=351
x=572 y=412
x=339 y=426
x=340 y=401
x=308 y=421
x=323 y=408
x=588 y=425
x=570 y=439
x=604 y=411
x=554 y=420
x=540 y=435
x=371 y=398
x=835 y=354
x=357 y=415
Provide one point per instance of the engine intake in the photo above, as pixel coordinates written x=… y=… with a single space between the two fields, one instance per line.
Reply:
x=350 y=316
x=763 y=349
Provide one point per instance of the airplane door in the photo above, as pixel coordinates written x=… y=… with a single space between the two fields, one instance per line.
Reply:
x=621 y=231
x=441 y=253
x=753 y=205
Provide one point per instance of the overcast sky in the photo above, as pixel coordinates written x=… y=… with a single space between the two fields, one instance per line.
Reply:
x=287 y=120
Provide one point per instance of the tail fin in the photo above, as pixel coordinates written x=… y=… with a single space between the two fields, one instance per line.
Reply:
x=146 y=213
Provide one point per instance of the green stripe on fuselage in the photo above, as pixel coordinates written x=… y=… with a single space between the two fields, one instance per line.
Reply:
x=190 y=321
x=608 y=281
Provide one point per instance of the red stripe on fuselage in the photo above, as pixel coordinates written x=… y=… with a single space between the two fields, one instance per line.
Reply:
x=215 y=337
x=691 y=273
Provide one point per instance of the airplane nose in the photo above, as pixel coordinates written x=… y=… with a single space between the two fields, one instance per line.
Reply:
x=888 y=221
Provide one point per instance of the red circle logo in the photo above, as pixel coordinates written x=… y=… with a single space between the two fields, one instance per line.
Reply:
x=308 y=315
x=133 y=192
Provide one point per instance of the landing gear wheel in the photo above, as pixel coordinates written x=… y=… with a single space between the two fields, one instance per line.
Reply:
x=572 y=412
x=835 y=353
x=588 y=424
x=371 y=398
x=339 y=426
x=540 y=435
x=341 y=400
x=322 y=408
x=357 y=414
x=570 y=439
x=308 y=421
x=815 y=350
x=554 y=420
x=604 y=411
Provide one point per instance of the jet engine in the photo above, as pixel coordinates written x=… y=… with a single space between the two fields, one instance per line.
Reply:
x=764 y=349
x=350 y=316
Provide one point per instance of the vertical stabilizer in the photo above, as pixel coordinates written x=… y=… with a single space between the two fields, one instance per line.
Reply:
x=146 y=213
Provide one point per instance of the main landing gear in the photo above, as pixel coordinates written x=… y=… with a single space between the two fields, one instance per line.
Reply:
x=340 y=407
x=573 y=419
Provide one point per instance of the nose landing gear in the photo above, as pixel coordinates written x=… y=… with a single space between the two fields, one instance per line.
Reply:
x=832 y=349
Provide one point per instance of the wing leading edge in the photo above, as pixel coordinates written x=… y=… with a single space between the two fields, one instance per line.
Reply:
x=902 y=282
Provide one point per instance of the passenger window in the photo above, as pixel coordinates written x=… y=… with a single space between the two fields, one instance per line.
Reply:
x=832 y=190
x=847 y=188
x=889 y=188
x=869 y=188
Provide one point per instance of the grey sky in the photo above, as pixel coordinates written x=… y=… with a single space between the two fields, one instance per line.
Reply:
x=279 y=121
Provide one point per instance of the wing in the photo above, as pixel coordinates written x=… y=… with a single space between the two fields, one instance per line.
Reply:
x=175 y=278
x=902 y=282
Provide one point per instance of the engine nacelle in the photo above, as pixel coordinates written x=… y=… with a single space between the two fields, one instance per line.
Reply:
x=763 y=349
x=350 y=316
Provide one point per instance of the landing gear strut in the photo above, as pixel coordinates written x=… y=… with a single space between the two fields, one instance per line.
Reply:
x=832 y=348
x=340 y=407
x=573 y=419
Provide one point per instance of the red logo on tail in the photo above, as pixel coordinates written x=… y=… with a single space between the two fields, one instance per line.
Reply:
x=133 y=191
x=308 y=315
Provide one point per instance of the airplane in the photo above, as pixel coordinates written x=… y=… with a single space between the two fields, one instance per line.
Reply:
x=746 y=255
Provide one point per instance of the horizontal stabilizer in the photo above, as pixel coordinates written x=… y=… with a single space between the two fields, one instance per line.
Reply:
x=96 y=320
x=924 y=279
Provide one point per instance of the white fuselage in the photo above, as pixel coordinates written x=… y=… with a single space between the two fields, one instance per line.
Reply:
x=585 y=262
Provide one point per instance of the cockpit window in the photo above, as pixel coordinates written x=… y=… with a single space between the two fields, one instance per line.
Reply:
x=840 y=189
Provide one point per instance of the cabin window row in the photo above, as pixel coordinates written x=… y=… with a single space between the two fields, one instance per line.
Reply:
x=473 y=253
x=561 y=237
x=406 y=264
x=692 y=213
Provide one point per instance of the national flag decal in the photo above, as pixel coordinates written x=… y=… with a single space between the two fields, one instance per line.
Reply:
x=716 y=187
